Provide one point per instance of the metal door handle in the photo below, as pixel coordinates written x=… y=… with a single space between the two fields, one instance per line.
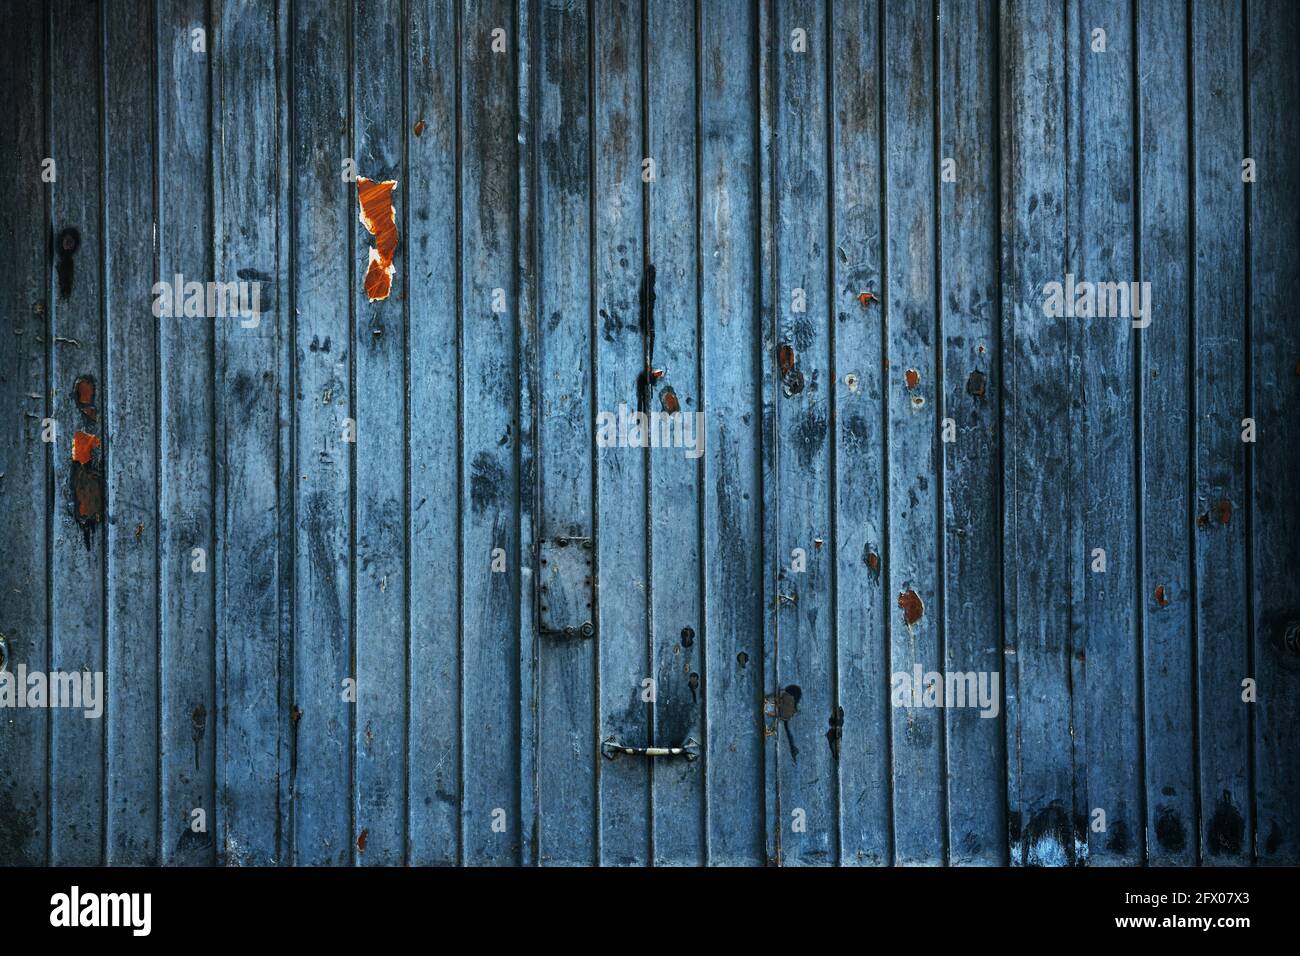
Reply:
x=611 y=748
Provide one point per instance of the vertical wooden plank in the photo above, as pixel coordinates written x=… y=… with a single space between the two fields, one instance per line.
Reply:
x=805 y=659
x=26 y=508
x=1108 y=492
x=526 y=446
x=862 y=603
x=567 y=735
x=489 y=480
x=1039 y=554
x=912 y=567
x=379 y=406
x=1274 y=88
x=434 y=437
x=622 y=285
x=247 y=239
x=768 y=334
x=1166 y=590
x=680 y=643
x=130 y=416
x=1221 y=507
x=734 y=616
x=969 y=235
x=325 y=213
x=77 y=550
x=186 y=465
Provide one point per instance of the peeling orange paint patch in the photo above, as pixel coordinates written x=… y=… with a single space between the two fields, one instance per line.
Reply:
x=83 y=447
x=910 y=604
x=377 y=215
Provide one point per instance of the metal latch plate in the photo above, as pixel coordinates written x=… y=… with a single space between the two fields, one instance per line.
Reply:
x=566 y=589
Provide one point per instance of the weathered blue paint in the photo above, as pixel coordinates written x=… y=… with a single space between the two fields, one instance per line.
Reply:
x=800 y=157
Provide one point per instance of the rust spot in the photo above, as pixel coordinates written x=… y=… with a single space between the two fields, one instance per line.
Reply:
x=669 y=401
x=83 y=393
x=785 y=358
x=976 y=383
x=361 y=840
x=872 y=561
x=1202 y=521
x=851 y=381
x=85 y=477
x=910 y=602
x=817 y=543
x=295 y=715
x=792 y=380
x=419 y=127
x=1223 y=510
x=377 y=215
x=83 y=447
x=656 y=374
x=866 y=298
x=1162 y=598
x=912 y=377
x=139 y=531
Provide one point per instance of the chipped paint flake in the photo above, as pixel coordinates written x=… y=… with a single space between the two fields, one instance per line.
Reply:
x=377 y=215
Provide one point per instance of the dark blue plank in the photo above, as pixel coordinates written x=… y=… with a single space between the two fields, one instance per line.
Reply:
x=567 y=735
x=680 y=643
x=862 y=601
x=325 y=213
x=77 y=548
x=130 y=416
x=249 y=164
x=1220 y=501
x=734 y=617
x=26 y=398
x=1166 y=589
x=622 y=550
x=805 y=675
x=379 y=345
x=186 y=463
x=489 y=482
x=434 y=767
x=1274 y=144
x=526 y=427
x=1040 y=550
x=968 y=241
x=1107 y=497
x=911 y=390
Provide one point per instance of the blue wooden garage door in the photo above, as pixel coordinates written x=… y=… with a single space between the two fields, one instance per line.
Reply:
x=964 y=331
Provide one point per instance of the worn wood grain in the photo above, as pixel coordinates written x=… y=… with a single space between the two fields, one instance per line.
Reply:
x=27 y=495
x=252 y=561
x=131 y=416
x=77 y=553
x=1167 y=588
